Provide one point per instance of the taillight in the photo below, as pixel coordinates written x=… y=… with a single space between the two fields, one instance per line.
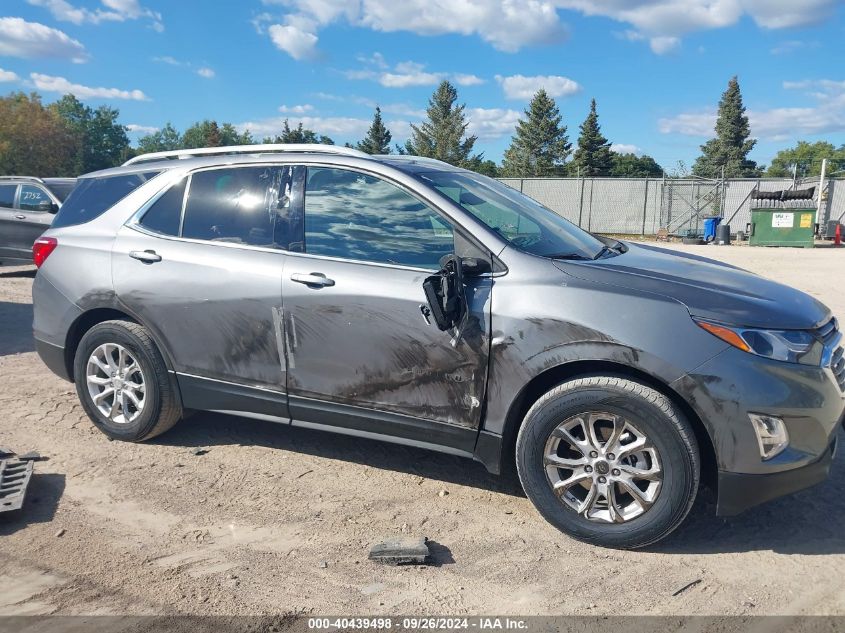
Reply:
x=42 y=248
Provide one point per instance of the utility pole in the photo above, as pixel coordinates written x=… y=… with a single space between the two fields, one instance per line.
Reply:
x=821 y=206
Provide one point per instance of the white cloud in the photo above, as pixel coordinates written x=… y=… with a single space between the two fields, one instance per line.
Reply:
x=406 y=74
x=296 y=42
x=296 y=109
x=206 y=72
x=63 y=86
x=792 y=46
x=141 y=129
x=506 y=24
x=467 y=80
x=664 y=44
x=491 y=123
x=663 y=22
x=114 y=11
x=522 y=87
x=825 y=116
x=31 y=40
x=625 y=148
x=8 y=75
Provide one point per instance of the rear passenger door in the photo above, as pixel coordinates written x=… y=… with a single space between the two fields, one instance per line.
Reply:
x=8 y=222
x=200 y=267
x=35 y=213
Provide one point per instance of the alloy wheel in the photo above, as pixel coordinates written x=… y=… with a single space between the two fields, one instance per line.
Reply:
x=603 y=467
x=115 y=383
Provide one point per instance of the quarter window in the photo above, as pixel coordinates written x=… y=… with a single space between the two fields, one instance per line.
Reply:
x=235 y=205
x=7 y=195
x=357 y=216
x=166 y=212
x=34 y=199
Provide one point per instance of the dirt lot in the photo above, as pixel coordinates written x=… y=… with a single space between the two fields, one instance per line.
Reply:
x=278 y=520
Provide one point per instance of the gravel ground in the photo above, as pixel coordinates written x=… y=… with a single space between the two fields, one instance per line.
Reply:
x=278 y=520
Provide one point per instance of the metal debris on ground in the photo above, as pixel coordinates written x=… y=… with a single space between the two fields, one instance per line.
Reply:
x=14 y=479
x=689 y=585
x=400 y=551
x=31 y=456
x=199 y=450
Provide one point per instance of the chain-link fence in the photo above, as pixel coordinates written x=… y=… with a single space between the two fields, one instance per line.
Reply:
x=643 y=206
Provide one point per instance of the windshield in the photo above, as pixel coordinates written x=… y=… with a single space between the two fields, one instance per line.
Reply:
x=61 y=189
x=523 y=222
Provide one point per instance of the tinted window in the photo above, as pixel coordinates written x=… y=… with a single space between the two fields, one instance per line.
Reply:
x=34 y=199
x=94 y=196
x=7 y=195
x=233 y=205
x=523 y=222
x=356 y=216
x=166 y=212
x=61 y=189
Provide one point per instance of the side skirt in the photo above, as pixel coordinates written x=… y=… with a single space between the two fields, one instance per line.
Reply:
x=207 y=394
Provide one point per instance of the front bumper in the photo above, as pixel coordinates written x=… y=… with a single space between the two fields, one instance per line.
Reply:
x=740 y=491
x=725 y=389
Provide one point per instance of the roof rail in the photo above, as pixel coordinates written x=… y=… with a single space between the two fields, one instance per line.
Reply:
x=30 y=178
x=412 y=158
x=269 y=148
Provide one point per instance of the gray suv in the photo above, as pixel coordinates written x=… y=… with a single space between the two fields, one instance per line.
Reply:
x=27 y=207
x=401 y=298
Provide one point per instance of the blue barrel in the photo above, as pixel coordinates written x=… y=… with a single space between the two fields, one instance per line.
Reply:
x=710 y=225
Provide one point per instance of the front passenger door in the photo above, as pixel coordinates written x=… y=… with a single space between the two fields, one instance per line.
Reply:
x=361 y=353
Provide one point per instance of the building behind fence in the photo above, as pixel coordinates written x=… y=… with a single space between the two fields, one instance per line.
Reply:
x=642 y=206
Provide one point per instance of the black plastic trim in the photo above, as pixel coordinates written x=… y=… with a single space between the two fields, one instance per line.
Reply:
x=54 y=357
x=217 y=395
x=306 y=411
x=739 y=491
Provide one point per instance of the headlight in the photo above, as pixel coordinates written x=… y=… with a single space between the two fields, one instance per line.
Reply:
x=791 y=346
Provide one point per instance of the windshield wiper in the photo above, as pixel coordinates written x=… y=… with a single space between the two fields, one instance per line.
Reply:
x=568 y=256
x=604 y=249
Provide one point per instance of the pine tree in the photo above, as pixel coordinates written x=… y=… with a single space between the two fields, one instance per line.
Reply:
x=540 y=145
x=730 y=147
x=442 y=134
x=301 y=134
x=593 y=156
x=378 y=137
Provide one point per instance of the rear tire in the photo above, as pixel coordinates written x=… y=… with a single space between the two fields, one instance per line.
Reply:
x=123 y=383
x=582 y=487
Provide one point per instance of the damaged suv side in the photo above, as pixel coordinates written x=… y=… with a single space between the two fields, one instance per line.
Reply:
x=404 y=299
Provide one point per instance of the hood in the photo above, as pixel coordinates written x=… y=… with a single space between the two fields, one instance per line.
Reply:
x=709 y=289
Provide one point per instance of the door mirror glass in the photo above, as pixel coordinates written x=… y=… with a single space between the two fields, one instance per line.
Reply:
x=445 y=293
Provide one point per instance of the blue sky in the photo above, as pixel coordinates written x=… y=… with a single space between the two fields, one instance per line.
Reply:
x=655 y=67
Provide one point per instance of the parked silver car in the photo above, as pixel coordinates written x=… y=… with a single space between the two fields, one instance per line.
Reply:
x=401 y=298
x=27 y=207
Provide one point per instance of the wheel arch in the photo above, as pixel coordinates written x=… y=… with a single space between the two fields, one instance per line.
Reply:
x=93 y=316
x=554 y=376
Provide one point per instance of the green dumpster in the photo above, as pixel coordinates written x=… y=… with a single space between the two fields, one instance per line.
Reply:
x=782 y=227
x=783 y=218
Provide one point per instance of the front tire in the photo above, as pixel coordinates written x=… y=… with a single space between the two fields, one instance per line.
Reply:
x=609 y=461
x=122 y=382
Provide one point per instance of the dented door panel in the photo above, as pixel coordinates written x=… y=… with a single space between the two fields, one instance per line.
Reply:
x=364 y=341
x=214 y=307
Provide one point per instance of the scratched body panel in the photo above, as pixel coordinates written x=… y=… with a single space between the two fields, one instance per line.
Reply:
x=364 y=342
x=211 y=306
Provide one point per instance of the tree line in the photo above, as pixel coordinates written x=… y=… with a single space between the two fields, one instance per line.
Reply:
x=69 y=138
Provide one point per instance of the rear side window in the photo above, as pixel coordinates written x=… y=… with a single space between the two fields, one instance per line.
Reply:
x=94 y=196
x=34 y=199
x=7 y=195
x=235 y=205
x=165 y=214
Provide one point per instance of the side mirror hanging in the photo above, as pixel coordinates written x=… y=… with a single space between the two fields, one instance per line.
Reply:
x=444 y=293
